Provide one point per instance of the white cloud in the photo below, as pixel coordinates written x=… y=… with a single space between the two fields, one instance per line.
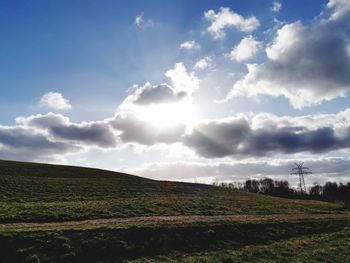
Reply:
x=243 y=136
x=55 y=100
x=276 y=6
x=133 y=127
x=30 y=144
x=59 y=129
x=263 y=134
x=181 y=86
x=306 y=64
x=226 y=18
x=156 y=114
x=191 y=44
x=155 y=94
x=183 y=80
x=245 y=49
x=141 y=22
x=287 y=37
x=203 y=63
x=340 y=8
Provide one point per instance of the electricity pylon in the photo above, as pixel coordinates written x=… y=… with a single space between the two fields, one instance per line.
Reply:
x=300 y=170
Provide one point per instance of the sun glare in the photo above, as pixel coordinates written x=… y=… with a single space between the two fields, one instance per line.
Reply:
x=165 y=115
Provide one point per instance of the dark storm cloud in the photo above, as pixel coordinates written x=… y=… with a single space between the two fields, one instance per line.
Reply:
x=237 y=137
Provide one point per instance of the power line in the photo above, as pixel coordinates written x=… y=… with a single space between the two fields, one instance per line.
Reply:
x=301 y=171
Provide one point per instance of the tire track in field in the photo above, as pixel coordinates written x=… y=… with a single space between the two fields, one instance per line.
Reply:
x=164 y=220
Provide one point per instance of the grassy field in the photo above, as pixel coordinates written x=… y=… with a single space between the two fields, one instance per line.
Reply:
x=36 y=192
x=325 y=247
x=51 y=213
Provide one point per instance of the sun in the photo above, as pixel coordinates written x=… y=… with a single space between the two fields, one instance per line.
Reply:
x=170 y=114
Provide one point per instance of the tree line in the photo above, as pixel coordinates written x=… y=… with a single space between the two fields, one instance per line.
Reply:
x=330 y=191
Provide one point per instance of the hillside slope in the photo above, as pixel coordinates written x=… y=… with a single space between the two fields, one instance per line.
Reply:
x=52 y=213
x=43 y=193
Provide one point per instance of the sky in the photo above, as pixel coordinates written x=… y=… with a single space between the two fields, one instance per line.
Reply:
x=196 y=91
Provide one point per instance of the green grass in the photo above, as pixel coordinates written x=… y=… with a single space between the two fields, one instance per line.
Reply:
x=37 y=192
x=157 y=242
x=325 y=247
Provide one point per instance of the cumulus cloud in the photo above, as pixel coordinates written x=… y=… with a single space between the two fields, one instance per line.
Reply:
x=183 y=80
x=135 y=129
x=59 y=128
x=267 y=134
x=182 y=85
x=339 y=7
x=226 y=18
x=42 y=136
x=26 y=144
x=163 y=93
x=51 y=136
x=191 y=44
x=242 y=136
x=203 y=63
x=276 y=6
x=305 y=64
x=152 y=114
x=55 y=100
x=245 y=49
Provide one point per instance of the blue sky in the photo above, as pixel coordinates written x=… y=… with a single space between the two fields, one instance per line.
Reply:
x=81 y=46
x=88 y=62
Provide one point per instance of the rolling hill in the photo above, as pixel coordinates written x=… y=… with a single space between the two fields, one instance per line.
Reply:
x=54 y=213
